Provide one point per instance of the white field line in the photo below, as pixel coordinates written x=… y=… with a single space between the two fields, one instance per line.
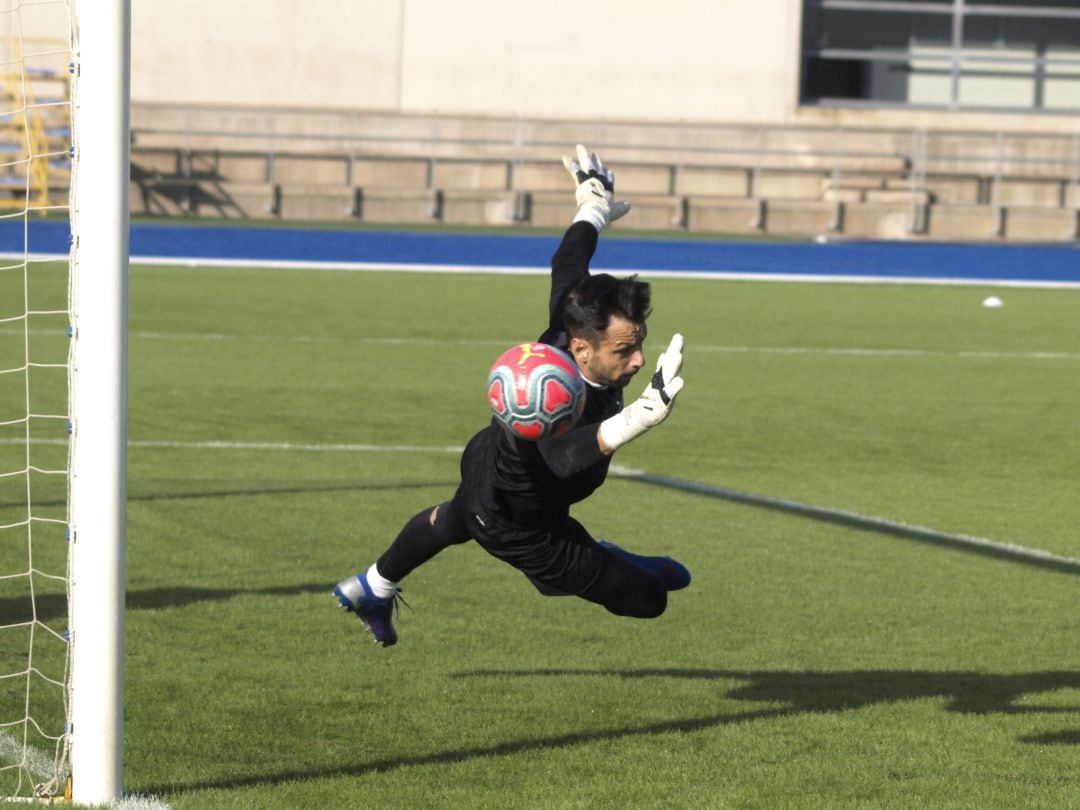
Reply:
x=981 y=544
x=992 y=547
x=411 y=267
x=405 y=267
x=37 y=762
x=838 y=351
x=780 y=350
x=287 y=446
x=40 y=765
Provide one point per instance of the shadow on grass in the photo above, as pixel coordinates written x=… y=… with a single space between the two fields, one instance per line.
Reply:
x=306 y=489
x=53 y=606
x=798 y=693
x=802 y=692
x=246 y=492
x=1009 y=552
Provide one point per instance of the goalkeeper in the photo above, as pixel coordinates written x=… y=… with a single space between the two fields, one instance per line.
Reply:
x=515 y=496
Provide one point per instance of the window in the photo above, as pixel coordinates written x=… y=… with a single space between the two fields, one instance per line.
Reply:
x=1005 y=55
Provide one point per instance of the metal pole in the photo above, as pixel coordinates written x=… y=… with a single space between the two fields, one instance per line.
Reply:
x=957 y=52
x=101 y=126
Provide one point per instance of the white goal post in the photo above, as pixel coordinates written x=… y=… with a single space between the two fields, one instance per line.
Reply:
x=64 y=107
x=98 y=374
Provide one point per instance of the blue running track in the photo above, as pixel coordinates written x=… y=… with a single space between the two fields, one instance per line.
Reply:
x=1050 y=265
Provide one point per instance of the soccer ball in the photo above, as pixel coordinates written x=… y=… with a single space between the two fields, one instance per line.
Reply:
x=536 y=391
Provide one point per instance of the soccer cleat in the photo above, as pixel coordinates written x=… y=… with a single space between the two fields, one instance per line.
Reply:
x=675 y=575
x=355 y=595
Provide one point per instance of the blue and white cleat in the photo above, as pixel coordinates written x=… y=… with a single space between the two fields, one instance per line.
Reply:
x=675 y=575
x=355 y=595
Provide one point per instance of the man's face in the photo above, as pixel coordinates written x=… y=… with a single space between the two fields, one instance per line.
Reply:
x=615 y=357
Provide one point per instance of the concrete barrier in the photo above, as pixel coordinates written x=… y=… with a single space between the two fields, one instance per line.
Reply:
x=548 y=209
x=178 y=197
x=410 y=173
x=232 y=167
x=330 y=203
x=695 y=181
x=547 y=176
x=964 y=222
x=471 y=175
x=635 y=181
x=724 y=215
x=661 y=212
x=788 y=185
x=800 y=217
x=1026 y=192
x=1028 y=224
x=478 y=207
x=235 y=200
x=398 y=205
x=954 y=190
x=877 y=220
x=311 y=170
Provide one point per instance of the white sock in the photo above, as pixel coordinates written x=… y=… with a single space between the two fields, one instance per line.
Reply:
x=380 y=586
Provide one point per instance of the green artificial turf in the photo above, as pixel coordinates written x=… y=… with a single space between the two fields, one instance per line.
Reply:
x=285 y=424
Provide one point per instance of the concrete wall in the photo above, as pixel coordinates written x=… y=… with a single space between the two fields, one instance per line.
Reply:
x=698 y=60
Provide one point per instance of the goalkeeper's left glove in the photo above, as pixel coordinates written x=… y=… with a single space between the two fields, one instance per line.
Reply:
x=653 y=406
x=595 y=190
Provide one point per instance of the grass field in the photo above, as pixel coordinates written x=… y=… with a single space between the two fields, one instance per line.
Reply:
x=285 y=424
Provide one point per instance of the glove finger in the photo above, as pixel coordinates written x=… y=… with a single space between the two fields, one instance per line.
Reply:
x=585 y=159
x=599 y=172
x=670 y=362
x=618 y=209
x=574 y=168
x=673 y=387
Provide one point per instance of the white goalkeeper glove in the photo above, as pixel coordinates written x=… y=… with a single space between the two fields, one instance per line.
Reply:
x=595 y=190
x=653 y=406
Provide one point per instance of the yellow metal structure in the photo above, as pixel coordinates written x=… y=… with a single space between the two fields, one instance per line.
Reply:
x=34 y=128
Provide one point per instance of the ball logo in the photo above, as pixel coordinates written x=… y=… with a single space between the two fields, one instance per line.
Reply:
x=536 y=391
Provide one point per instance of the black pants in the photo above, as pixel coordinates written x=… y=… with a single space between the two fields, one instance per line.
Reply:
x=559 y=560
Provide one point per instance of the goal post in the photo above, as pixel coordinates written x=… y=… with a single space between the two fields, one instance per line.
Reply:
x=98 y=386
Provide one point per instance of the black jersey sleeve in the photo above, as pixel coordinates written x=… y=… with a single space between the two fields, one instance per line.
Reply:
x=569 y=267
x=574 y=451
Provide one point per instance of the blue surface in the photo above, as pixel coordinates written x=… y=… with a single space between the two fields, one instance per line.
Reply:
x=1050 y=263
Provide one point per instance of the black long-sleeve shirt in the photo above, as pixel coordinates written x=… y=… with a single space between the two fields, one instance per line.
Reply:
x=530 y=485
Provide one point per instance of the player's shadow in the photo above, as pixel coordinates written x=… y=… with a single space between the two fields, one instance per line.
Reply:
x=135 y=496
x=299 y=489
x=773 y=694
x=17 y=606
x=48 y=607
x=826 y=692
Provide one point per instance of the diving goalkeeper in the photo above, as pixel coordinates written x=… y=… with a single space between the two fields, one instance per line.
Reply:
x=515 y=496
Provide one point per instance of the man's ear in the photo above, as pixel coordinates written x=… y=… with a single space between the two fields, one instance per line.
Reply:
x=580 y=350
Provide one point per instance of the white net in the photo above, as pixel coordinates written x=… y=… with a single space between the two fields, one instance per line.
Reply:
x=35 y=171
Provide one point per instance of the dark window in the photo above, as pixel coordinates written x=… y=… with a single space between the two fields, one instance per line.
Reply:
x=967 y=54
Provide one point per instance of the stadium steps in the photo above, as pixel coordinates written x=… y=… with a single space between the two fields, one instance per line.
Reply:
x=797 y=181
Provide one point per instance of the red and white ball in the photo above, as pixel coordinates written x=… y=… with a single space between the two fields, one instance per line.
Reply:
x=536 y=391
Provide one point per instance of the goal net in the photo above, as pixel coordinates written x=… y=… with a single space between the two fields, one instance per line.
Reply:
x=55 y=622
x=35 y=167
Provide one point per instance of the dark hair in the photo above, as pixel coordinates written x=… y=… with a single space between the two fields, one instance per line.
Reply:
x=591 y=304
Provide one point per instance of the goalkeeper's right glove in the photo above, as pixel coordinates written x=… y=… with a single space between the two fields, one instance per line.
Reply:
x=653 y=406
x=595 y=190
